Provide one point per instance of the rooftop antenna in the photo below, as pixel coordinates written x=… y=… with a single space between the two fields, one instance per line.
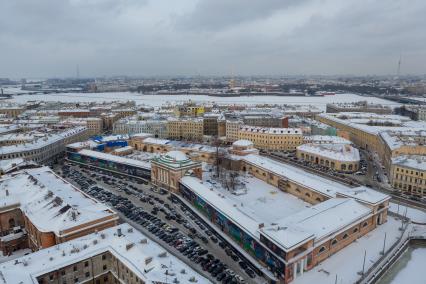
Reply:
x=399 y=66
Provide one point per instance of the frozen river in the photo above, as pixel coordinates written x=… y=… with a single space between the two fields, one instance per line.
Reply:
x=408 y=269
x=157 y=100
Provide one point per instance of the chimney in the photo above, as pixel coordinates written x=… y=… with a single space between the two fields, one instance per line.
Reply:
x=119 y=232
x=7 y=192
x=261 y=225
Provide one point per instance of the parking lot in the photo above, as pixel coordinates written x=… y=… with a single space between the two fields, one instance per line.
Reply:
x=167 y=221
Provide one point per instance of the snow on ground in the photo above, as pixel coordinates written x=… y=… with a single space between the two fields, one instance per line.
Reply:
x=408 y=269
x=414 y=214
x=157 y=100
x=348 y=261
x=16 y=254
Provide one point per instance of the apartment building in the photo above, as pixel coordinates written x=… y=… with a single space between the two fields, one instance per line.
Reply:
x=362 y=106
x=191 y=129
x=158 y=128
x=120 y=254
x=338 y=157
x=45 y=148
x=408 y=174
x=39 y=210
x=232 y=128
x=275 y=139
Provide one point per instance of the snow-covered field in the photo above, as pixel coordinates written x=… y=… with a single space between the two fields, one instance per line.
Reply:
x=157 y=100
x=348 y=262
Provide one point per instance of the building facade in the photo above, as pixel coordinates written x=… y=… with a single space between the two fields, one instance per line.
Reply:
x=273 y=139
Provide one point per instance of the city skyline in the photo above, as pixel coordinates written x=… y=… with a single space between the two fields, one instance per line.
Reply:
x=159 y=38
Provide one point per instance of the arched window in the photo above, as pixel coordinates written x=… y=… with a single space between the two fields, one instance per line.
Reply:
x=365 y=224
x=355 y=230
x=322 y=249
x=12 y=223
x=343 y=167
x=318 y=199
x=345 y=236
x=334 y=242
x=308 y=194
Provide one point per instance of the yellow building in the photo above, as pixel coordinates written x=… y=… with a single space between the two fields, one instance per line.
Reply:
x=338 y=157
x=408 y=174
x=11 y=111
x=189 y=109
x=275 y=139
x=361 y=135
x=185 y=129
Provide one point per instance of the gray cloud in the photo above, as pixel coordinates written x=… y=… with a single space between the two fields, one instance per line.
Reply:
x=211 y=37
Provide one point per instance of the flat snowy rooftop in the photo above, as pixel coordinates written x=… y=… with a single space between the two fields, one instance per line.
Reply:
x=320 y=220
x=51 y=203
x=114 y=158
x=260 y=201
x=315 y=182
x=65 y=254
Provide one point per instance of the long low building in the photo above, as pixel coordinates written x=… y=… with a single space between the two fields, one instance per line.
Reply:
x=116 y=255
x=111 y=162
x=283 y=233
x=38 y=209
x=274 y=139
x=310 y=187
x=338 y=157
x=45 y=148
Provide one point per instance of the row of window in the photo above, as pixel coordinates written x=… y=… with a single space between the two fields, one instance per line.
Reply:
x=407 y=171
x=345 y=236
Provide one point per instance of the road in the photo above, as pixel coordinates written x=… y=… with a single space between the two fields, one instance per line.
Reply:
x=212 y=247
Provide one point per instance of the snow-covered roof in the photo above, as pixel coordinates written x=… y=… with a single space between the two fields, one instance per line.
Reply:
x=271 y=130
x=156 y=141
x=83 y=144
x=242 y=143
x=314 y=182
x=319 y=139
x=8 y=164
x=51 y=203
x=178 y=156
x=415 y=162
x=42 y=142
x=287 y=220
x=127 y=248
x=116 y=159
x=338 y=152
x=407 y=137
x=322 y=220
x=123 y=149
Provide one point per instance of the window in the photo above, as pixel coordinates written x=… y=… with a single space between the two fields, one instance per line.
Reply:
x=104 y=267
x=86 y=264
x=334 y=242
x=355 y=230
x=63 y=272
x=365 y=224
x=87 y=274
x=322 y=249
x=345 y=236
x=103 y=257
x=75 y=280
x=75 y=268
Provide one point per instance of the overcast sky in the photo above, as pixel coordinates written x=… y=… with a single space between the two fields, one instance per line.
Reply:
x=46 y=38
